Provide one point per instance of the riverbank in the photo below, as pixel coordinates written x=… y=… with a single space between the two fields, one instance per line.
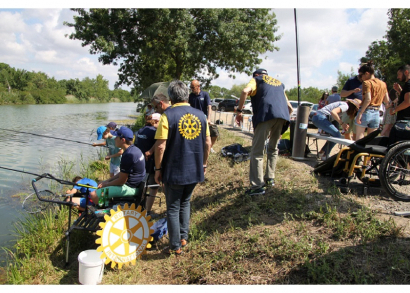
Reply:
x=302 y=231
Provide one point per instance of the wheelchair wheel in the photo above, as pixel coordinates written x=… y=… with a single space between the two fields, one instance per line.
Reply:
x=395 y=172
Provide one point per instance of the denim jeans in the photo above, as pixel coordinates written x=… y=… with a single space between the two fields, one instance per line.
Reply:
x=321 y=121
x=370 y=118
x=178 y=212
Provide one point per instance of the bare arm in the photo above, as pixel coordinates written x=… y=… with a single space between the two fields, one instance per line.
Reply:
x=207 y=149
x=99 y=144
x=209 y=114
x=119 y=154
x=403 y=105
x=245 y=92
x=117 y=180
x=345 y=93
x=159 y=155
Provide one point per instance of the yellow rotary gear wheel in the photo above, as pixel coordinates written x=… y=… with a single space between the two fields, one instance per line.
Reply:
x=189 y=126
x=124 y=236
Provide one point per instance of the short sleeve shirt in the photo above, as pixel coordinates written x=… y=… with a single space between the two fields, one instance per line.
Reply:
x=351 y=84
x=113 y=150
x=333 y=98
x=326 y=110
x=200 y=102
x=377 y=90
x=405 y=113
x=133 y=163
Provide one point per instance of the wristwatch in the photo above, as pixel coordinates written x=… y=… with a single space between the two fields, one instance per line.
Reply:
x=239 y=110
x=155 y=169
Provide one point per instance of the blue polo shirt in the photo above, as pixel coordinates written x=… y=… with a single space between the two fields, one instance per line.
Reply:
x=200 y=102
x=351 y=84
x=145 y=139
x=133 y=163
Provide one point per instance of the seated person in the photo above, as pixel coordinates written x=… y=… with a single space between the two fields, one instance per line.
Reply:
x=132 y=168
x=81 y=201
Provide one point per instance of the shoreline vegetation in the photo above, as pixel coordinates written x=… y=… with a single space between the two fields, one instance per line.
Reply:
x=303 y=231
x=22 y=87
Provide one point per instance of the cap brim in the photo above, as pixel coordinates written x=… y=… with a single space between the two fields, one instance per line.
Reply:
x=99 y=136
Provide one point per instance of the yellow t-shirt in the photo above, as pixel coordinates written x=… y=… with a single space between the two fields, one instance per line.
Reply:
x=252 y=85
x=163 y=127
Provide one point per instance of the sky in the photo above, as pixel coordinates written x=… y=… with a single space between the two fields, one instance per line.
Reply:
x=330 y=39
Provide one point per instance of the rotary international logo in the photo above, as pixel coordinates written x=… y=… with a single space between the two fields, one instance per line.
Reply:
x=271 y=81
x=189 y=126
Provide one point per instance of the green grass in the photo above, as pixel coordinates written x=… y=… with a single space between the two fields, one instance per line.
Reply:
x=300 y=232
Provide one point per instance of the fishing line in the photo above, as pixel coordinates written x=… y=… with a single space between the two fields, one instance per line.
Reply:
x=47 y=136
x=49 y=176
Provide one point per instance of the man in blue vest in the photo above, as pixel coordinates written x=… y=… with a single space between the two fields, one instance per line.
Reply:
x=271 y=115
x=180 y=161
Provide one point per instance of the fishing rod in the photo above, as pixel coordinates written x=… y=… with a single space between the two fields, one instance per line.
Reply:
x=49 y=176
x=47 y=136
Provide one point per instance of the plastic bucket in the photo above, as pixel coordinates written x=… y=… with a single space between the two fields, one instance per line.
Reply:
x=91 y=267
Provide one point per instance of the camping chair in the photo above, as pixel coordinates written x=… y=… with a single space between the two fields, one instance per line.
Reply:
x=89 y=219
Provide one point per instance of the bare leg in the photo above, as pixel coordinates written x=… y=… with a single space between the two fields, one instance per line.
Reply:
x=360 y=132
x=386 y=130
x=213 y=140
x=151 y=198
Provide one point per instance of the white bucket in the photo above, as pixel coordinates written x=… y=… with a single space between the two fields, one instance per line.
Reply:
x=91 y=267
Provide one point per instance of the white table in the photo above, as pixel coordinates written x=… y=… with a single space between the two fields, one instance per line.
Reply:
x=341 y=141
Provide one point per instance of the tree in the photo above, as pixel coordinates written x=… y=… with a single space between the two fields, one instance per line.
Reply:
x=392 y=52
x=161 y=44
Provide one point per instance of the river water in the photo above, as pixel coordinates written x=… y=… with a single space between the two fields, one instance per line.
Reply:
x=38 y=155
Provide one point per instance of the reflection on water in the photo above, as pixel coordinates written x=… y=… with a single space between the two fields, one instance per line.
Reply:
x=36 y=154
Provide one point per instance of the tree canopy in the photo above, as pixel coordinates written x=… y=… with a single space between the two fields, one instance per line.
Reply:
x=153 y=45
x=392 y=52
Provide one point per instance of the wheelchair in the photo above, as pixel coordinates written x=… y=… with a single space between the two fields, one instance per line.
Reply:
x=375 y=163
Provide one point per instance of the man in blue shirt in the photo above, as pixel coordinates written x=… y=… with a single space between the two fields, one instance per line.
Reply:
x=200 y=100
x=334 y=97
x=351 y=90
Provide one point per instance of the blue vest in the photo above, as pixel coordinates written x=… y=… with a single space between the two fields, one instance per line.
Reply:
x=182 y=163
x=269 y=102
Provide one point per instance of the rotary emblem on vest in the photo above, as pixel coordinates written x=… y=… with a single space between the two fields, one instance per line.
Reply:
x=271 y=81
x=189 y=126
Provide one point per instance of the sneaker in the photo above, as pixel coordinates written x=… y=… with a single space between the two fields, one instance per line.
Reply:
x=255 y=191
x=270 y=182
x=167 y=250
x=184 y=243
x=212 y=151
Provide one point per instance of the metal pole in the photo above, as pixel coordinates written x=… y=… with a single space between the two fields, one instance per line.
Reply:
x=297 y=56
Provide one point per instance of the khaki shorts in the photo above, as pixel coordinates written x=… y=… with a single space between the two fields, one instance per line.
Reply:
x=213 y=130
x=350 y=121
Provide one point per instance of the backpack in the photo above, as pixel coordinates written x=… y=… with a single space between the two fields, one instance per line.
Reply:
x=236 y=151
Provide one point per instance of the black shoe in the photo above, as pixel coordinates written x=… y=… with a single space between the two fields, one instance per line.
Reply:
x=270 y=182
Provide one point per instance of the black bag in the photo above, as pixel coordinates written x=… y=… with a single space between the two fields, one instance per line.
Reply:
x=236 y=151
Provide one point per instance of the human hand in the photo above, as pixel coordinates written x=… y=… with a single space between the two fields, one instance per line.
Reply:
x=397 y=87
x=392 y=111
x=107 y=158
x=359 y=119
x=239 y=119
x=147 y=155
x=94 y=144
x=356 y=90
x=158 y=177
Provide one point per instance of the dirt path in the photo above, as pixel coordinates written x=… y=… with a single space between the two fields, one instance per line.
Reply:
x=377 y=199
